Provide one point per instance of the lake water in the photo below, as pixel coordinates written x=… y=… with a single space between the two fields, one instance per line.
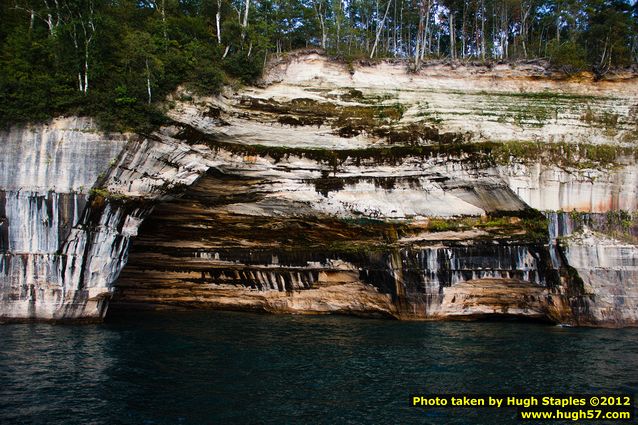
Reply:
x=203 y=367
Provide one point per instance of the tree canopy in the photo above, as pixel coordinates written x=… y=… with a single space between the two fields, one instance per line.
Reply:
x=113 y=59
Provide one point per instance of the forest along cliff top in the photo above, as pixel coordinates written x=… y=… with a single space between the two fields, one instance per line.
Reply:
x=333 y=105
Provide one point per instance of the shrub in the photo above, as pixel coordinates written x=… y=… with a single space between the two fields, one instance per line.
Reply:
x=569 y=57
x=247 y=69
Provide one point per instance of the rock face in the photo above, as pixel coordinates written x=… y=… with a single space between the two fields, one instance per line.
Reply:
x=601 y=250
x=365 y=191
x=53 y=265
x=64 y=239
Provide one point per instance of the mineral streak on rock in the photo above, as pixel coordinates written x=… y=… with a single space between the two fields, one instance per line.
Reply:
x=376 y=193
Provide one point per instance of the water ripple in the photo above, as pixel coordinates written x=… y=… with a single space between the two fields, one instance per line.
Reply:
x=210 y=367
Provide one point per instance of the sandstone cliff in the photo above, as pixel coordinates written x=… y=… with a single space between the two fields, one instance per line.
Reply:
x=451 y=193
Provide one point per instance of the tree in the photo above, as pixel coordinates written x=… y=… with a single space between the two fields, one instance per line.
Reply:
x=609 y=34
x=142 y=59
x=321 y=7
x=380 y=28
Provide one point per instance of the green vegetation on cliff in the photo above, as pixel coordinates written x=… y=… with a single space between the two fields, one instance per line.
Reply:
x=526 y=225
x=110 y=60
x=575 y=156
x=115 y=59
x=448 y=145
x=619 y=224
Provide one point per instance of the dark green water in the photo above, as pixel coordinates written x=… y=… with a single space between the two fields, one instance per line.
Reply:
x=223 y=368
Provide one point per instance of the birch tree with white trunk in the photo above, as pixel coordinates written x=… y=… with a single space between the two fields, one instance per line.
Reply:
x=379 y=29
x=320 y=9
